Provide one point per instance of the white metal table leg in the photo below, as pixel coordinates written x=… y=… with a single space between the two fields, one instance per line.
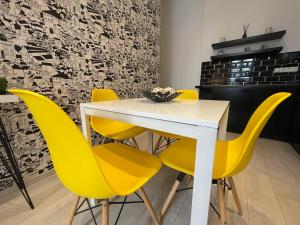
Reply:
x=203 y=174
x=86 y=130
x=223 y=125
x=204 y=168
x=85 y=125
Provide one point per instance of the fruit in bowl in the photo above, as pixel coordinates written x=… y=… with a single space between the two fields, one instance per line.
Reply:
x=161 y=94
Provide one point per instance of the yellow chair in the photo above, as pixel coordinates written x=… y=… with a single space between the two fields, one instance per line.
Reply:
x=231 y=157
x=99 y=172
x=113 y=129
x=186 y=95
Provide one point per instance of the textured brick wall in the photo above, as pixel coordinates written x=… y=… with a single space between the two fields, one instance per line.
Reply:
x=65 y=48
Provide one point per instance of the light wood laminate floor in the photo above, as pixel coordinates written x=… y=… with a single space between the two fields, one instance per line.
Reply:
x=269 y=191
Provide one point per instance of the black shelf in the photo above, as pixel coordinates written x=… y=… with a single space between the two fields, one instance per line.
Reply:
x=249 y=40
x=252 y=53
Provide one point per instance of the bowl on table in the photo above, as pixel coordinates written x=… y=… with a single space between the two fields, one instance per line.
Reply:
x=161 y=95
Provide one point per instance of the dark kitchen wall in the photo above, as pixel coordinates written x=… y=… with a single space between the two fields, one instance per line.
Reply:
x=63 y=49
x=255 y=70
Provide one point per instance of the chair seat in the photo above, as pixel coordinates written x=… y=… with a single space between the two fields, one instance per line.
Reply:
x=181 y=156
x=126 y=169
x=115 y=129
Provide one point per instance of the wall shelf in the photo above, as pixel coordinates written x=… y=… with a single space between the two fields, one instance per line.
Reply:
x=247 y=54
x=250 y=40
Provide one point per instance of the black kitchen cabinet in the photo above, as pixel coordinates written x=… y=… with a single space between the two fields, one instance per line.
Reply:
x=295 y=126
x=284 y=125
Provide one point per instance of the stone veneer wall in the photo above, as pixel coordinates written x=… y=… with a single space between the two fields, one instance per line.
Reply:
x=65 y=48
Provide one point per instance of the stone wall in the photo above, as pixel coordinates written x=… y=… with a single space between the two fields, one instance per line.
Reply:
x=65 y=48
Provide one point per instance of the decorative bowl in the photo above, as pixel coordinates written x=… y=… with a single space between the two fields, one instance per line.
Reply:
x=159 y=96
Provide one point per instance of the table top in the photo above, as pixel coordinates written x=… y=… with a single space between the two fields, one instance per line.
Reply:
x=9 y=98
x=206 y=113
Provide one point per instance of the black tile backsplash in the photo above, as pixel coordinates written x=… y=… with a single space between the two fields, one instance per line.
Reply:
x=272 y=78
x=268 y=62
x=258 y=79
x=287 y=78
x=266 y=73
x=257 y=70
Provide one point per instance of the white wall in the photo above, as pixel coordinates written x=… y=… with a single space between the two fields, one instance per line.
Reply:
x=181 y=23
x=189 y=27
x=225 y=18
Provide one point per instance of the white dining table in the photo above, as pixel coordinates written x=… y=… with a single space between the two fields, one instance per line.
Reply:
x=203 y=120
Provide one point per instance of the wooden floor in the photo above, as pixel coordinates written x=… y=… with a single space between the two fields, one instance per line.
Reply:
x=269 y=191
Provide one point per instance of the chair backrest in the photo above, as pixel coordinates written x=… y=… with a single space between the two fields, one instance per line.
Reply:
x=72 y=157
x=188 y=94
x=103 y=95
x=99 y=95
x=246 y=141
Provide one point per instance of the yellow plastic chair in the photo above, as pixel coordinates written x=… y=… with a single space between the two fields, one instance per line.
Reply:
x=169 y=138
x=231 y=157
x=99 y=172
x=113 y=129
x=188 y=94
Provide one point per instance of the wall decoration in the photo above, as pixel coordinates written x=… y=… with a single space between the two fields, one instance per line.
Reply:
x=245 y=28
x=63 y=49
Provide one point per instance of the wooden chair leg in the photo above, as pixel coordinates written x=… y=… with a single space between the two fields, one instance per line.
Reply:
x=235 y=196
x=158 y=143
x=188 y=179
x=73 y=210
x=149 y=206
x=221 y=202
x=168 y=141
x=169 y=199
x=105 y=212
x=174 y=188
x=103 y=140
x=135 y=143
